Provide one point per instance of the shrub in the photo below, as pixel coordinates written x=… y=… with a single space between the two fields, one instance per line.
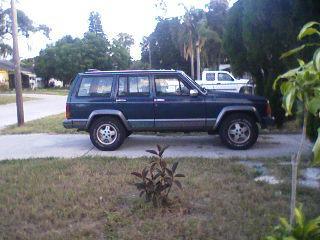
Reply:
x=301 y=230
x=158 y=179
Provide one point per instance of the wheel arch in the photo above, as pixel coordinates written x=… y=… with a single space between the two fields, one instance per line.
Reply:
x=105 y=113
x=226 y=111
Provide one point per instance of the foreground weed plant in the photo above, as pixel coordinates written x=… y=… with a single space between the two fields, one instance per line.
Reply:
x=158 y=179
x=301 y=230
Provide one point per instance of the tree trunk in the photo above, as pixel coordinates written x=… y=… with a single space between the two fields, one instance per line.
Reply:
x=192 y=64
x=17 y=70
x=198 y=60
x=295 y=160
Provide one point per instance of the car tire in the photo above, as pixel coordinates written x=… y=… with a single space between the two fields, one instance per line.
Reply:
x=239 y=131
x=107 y=133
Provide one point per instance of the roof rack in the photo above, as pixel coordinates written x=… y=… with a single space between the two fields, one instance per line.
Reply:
x=129 y=71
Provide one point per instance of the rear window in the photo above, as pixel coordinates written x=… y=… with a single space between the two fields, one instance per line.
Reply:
x=95 y=86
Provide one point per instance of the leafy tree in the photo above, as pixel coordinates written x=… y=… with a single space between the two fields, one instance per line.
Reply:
x=164 y=47
x=95 y=25
x=125 y=40
x=25 y=27
x=303 y=84
x=216 y=15
x=258 y=32
x=69 y=56
x=120 y=48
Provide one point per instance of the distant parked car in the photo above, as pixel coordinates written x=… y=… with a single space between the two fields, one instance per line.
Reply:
x=112 y=105
x=225 y=81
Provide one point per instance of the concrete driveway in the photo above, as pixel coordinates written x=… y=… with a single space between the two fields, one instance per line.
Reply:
x=69 y=146
x=44 y=105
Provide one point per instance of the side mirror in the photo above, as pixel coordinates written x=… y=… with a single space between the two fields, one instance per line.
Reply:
x=194 y=92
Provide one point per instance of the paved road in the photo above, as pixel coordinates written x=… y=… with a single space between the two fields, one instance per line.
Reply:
x=46 y=145
x=44 y=105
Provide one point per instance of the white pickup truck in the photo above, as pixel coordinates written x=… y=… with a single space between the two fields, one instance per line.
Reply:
x=224 y=81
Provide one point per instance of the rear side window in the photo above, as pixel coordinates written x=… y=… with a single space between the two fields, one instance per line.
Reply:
x=210 y=76
x=95 y=86
x=134 y=86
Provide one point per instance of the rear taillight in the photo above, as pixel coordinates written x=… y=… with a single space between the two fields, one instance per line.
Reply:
x=268 y=109
x=68 y=111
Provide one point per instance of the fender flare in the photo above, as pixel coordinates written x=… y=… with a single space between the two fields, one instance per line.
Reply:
x=229 y=109
x=116 y=113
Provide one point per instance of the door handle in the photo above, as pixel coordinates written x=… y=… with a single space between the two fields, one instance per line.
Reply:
x=121 y=100
x=159 y=100
x=218 y=83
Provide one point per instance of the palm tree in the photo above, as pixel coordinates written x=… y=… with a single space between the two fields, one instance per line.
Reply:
x=203 y=34
x=193 y=36
x=187 y=38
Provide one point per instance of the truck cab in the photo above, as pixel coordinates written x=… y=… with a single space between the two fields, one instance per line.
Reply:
x=225 y=81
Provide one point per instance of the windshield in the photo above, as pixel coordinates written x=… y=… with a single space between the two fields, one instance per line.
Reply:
x=203 y=90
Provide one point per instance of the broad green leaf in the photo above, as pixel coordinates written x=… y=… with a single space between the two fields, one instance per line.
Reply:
x=288 y=99
x=316 y=60
x=291 y=73
x=285 y=224
x=312 y=226
x=274 y=86
x=298 y=49
x=308 y=32
x=293 y=51
x=301 y=62
x=316 y=150
x=306 y=27
x=314 y=105
x=299 y=218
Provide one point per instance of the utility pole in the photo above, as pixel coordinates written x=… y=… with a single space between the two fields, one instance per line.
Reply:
x=149 y=49
x=16 y=60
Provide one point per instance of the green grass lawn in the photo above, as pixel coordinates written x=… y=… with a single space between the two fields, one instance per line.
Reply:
x=50 y=124
x=94 y=198
x=4 y=99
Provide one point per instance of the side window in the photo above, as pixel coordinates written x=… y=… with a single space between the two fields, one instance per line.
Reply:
x=210 y=76
x=170 y=86
x=95 y=86
x=224 y=77
x=134 y=86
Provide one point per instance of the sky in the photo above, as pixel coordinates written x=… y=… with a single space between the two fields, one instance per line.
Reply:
x=70 y=17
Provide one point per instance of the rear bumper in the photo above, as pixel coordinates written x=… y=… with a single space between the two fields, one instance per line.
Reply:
x=80 y=124
x=267 y=121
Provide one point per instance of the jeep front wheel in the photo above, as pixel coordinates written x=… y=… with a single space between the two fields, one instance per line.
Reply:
x=107 y=134
x=239 y=131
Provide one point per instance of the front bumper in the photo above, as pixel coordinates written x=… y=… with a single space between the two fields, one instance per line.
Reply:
x=80 y=124
x=267 y=121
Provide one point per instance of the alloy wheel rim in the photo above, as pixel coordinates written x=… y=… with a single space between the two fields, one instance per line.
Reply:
x=107 y=134
x=239 y=132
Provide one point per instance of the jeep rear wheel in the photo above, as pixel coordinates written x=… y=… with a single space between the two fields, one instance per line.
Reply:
x=239 y=131
x=107 y=134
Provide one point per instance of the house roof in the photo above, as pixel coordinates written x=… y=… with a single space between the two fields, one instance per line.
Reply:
x=9 y=66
